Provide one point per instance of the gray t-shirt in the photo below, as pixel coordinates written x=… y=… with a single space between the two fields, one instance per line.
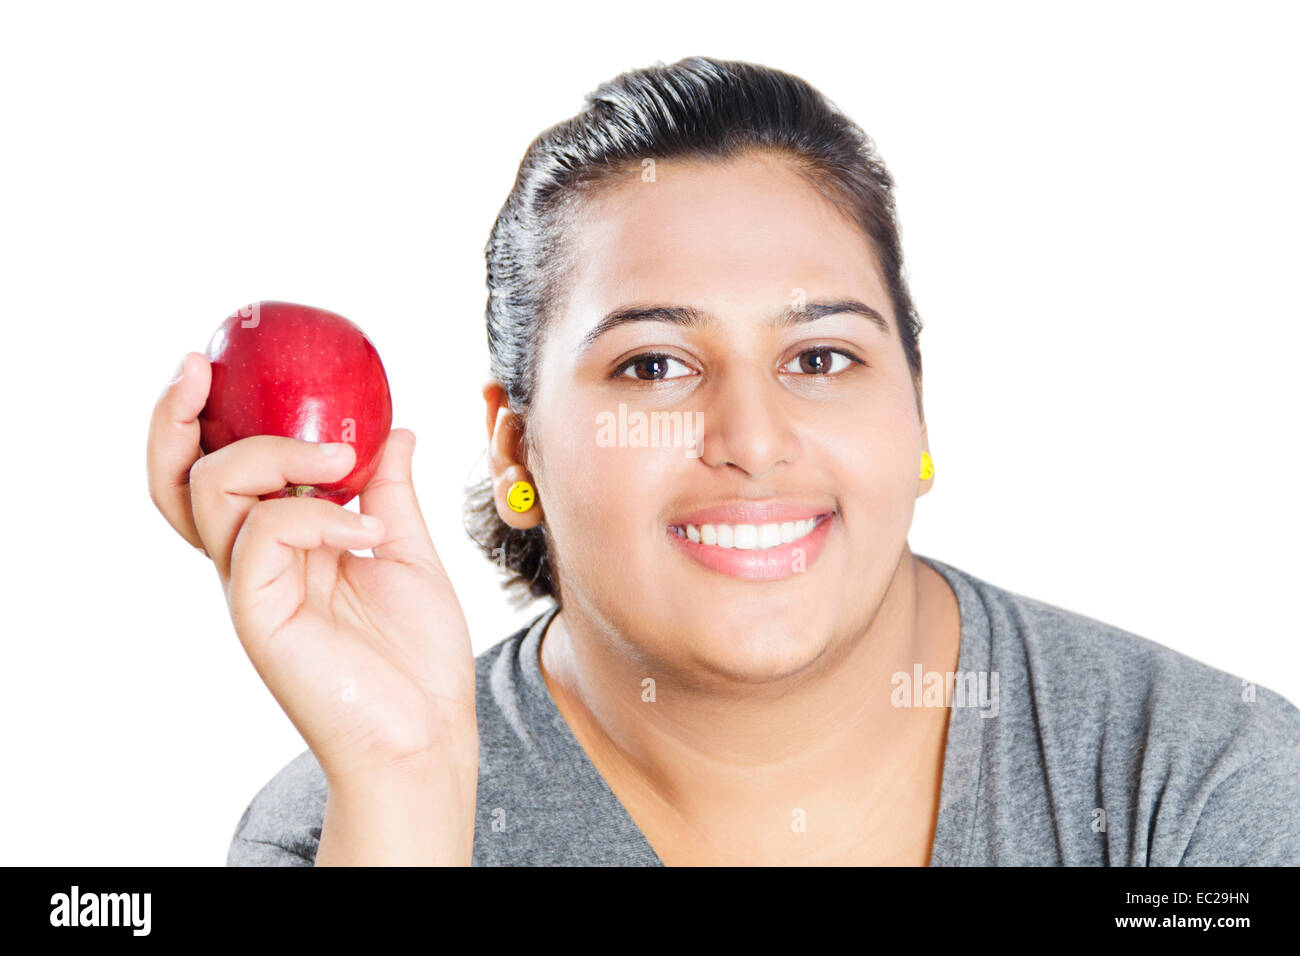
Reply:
x=1070 y=742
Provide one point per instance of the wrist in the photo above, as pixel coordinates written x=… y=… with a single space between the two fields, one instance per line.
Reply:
x=417 y=813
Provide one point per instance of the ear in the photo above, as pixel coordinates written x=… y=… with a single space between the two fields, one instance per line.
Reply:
x=506 y=457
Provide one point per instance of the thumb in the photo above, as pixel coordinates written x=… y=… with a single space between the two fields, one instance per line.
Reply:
x=390 y=497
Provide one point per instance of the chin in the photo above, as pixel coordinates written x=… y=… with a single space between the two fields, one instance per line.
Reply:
x=744 y=646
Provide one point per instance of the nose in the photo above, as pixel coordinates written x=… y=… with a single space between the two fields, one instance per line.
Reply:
x=748 y=426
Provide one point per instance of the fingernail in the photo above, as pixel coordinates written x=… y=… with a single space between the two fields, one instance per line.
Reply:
x=330 y=449
x=370 y=522
x=180 y=371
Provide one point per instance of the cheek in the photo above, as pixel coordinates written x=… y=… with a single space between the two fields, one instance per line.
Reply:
x=871 y=453
x=603 y=503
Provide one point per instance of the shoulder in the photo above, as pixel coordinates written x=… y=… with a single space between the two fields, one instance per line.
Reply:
x=1101 y=677
x=282 y=824
x=499 y=672
x=1203 y=764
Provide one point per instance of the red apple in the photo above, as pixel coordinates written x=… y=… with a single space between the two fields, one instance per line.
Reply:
x=285 y=369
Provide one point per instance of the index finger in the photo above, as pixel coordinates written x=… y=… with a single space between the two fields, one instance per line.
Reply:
x=174 y=443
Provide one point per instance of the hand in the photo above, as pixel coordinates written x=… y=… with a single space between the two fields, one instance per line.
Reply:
x=370 y=657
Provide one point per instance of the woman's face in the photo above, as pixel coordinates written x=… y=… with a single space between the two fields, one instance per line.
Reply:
x=797 y=420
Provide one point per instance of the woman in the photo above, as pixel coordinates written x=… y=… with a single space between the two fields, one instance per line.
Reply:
x=707 y=438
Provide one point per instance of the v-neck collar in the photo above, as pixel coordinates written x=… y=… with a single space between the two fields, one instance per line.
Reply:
x=959 y=789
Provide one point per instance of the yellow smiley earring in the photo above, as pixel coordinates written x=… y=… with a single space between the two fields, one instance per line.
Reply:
x=927 y=466
x=520 y=497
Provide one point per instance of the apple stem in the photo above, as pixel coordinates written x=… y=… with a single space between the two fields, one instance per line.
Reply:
x=301 y=491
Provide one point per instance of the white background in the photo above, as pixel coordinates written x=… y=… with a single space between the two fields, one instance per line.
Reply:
x=1099 y=209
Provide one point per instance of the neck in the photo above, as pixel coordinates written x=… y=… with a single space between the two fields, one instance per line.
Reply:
x=705 y=750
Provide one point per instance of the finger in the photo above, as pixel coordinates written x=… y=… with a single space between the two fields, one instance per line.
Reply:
x=268 y=570
x=390 y=496
x=174 y=443
x=225 y=485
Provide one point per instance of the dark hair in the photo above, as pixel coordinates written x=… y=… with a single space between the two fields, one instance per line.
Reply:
x=696 y=109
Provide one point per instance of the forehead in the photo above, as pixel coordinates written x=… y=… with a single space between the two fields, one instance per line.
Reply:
x=736 y=237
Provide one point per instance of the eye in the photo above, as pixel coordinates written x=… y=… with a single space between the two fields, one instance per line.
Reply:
x=825 y=361
x=654 y=366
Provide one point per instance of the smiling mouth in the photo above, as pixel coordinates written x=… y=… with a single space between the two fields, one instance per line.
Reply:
x=750 y=537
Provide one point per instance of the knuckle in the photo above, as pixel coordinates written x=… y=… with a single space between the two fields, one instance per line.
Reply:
x=256 y=526
x=260 y=516
x=199 y=475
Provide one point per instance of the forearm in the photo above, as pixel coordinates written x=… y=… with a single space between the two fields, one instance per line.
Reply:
x=418 y=817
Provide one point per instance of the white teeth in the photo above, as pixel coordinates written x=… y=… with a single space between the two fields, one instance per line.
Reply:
x=747 y=537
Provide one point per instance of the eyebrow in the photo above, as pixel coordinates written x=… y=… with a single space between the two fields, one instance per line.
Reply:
x=693 y=318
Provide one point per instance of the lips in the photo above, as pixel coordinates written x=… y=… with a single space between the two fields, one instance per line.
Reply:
x=752 y=512
x=753 y=541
